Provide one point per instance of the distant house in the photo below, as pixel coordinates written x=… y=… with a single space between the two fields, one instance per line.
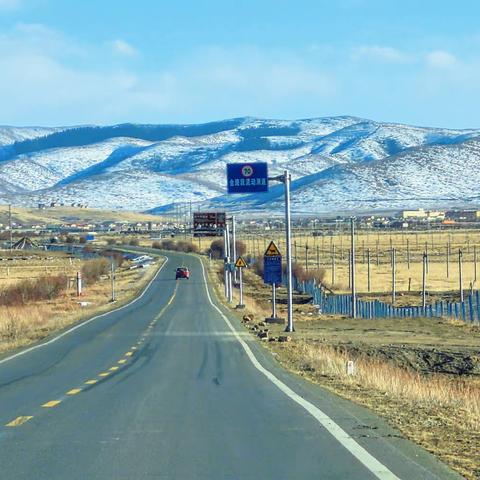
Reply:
x=420 y=213
x=463 y=215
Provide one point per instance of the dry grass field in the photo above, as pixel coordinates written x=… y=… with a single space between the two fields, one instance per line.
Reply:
x=59 y=215
x=421 y=375
x=21 y=325
x=330 y=253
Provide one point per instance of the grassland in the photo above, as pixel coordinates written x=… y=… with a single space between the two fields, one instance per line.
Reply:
x=25 y=324
x=61 y=215
x=330 y=253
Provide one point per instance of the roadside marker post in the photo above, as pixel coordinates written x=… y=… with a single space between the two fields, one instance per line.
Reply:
x=79 y=284
x=240 y=264
x=253 y=178
x=272 y=274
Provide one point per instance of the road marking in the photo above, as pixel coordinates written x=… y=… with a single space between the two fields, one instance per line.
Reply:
x=19 y=421
x=104 y=374
x=368 y=460
x=91 y=382
x=74 y=391
x=129 y=354
x=133 y=348
x=122 y=361
x=113 y=369
x=51 y=404
x=86 y=322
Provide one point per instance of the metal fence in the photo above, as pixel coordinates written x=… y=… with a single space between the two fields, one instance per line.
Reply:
x=467 y=311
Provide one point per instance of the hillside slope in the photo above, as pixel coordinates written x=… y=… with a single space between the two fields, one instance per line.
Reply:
x=338 y=163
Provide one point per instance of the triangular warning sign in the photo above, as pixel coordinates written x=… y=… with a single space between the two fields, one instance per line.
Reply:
x=240 y=263
x=272 y=250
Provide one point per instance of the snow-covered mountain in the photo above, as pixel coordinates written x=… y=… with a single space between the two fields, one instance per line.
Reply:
x=338 y=164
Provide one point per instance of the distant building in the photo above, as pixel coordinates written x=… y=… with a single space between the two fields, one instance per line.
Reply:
x=420 y=213
x=430 y=215
x=463 y=215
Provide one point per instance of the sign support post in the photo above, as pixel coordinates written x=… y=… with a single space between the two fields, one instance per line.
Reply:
x=229 y=272
x=225 y=262
x=240 y=264
x=252 y=178
x=272 y=274
x=286 y=179
x=234 y=248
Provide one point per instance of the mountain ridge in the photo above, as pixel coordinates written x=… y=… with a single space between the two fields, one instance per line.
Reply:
x=337 y=163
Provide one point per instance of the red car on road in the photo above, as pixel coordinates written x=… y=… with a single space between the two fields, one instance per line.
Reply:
x=182 y=272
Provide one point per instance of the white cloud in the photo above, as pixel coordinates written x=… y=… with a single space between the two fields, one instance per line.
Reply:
x=380 y=53
x=441 y=59
x=123 y=48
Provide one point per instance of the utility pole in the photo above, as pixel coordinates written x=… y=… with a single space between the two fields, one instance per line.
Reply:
x=352 y=253
x=333 y=265
x=234 y=248
x=393 y=276
x=369 y=284
x=229 y=273
x=10 y=226
x=112 y=279
x=225 y=262
x=287 y=178
x=424 y=281
x=460 y=274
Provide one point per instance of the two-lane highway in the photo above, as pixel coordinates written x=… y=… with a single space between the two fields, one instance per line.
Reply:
x=171 y=387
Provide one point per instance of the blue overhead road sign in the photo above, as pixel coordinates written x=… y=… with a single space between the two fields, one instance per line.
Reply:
x=247 y=177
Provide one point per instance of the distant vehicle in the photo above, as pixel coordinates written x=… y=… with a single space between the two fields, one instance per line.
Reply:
x=182 y=272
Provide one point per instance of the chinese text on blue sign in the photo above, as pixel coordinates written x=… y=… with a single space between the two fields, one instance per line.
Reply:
x=247 y=177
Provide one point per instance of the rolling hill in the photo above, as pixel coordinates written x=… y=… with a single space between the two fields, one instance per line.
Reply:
x=338 y=164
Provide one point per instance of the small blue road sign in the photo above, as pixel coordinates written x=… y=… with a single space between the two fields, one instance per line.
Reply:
x=272 y=269
x=247 y=177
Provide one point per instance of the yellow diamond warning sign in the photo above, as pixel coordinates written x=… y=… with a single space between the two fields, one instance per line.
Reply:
x=240 y=263
x=272 y=250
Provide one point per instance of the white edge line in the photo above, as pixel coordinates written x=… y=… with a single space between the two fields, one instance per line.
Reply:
x=368 y=460
x=79 y=325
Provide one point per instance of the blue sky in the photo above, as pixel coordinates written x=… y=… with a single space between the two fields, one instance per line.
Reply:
x=65 y=62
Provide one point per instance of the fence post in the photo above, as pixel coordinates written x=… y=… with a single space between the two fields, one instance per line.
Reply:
x=424 y=275
x=368 y=271
x=333 y=265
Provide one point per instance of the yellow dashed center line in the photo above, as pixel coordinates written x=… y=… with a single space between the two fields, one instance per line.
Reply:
x=114 y=368
x=122 y=361
x=91 y=382
x=51 y=403
x=129 y=354
x=104 y=374
x=19 y=421
x=74 y=391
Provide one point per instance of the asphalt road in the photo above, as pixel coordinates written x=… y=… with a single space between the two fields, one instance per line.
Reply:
x=170 y=387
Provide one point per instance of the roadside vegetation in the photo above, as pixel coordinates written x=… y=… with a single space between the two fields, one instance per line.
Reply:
x=421 y=375
x=38 y=293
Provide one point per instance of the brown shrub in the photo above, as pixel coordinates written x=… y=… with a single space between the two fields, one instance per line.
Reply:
x=93 y=269
x=156 y=244
x=117 y=256
x=168 y=244
x=43 y=288
x=134 y=242
x=216 y=249
x=184 y=246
